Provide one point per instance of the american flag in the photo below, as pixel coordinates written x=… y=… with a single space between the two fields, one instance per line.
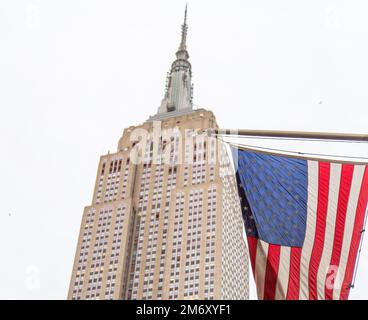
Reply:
x=303 y=220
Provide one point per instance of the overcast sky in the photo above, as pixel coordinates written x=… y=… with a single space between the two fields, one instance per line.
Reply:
x=75 y=73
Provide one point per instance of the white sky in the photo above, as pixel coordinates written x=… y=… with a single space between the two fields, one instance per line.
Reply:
x=74 y=74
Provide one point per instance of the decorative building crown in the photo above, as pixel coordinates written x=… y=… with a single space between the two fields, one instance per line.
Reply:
x=179 y=89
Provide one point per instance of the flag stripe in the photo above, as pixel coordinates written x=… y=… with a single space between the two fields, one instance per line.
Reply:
x=260 y=267
x=310 y=229
x=358 y=225
x=294 y=277
x=333 y=198
x=348 y=229
x=252 y=247
x=272 y=268
x=323 y=187
x=338 y=232
x=283 y=276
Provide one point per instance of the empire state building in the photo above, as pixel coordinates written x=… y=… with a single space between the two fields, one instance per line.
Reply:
x=165 y=220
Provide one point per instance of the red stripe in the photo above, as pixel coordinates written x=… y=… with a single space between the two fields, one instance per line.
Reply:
x=252 y=247
x=294 y=274
x=323 y=187
x=342 y=205
x=355 y=240
x=272 y=270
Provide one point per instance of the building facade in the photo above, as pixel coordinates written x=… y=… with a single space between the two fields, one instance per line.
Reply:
x=165 y=220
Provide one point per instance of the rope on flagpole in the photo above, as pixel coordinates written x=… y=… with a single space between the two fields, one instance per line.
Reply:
x=364 y=159
x=362 y=232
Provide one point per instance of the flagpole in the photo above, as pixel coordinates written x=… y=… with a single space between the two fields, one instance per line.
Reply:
x=290 y=134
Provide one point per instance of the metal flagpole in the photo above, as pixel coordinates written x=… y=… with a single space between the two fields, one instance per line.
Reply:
x=290 y=134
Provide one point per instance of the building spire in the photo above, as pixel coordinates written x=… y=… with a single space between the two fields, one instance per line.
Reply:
x=182 y=52
x=179 y=88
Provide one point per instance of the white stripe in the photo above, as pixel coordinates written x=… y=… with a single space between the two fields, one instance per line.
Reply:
x=349 y=226
x=333 y=198
x=260 y=267
x=283 y=274
x=310 y=229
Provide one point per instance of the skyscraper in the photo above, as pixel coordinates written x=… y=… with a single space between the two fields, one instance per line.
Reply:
x=165 y=219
